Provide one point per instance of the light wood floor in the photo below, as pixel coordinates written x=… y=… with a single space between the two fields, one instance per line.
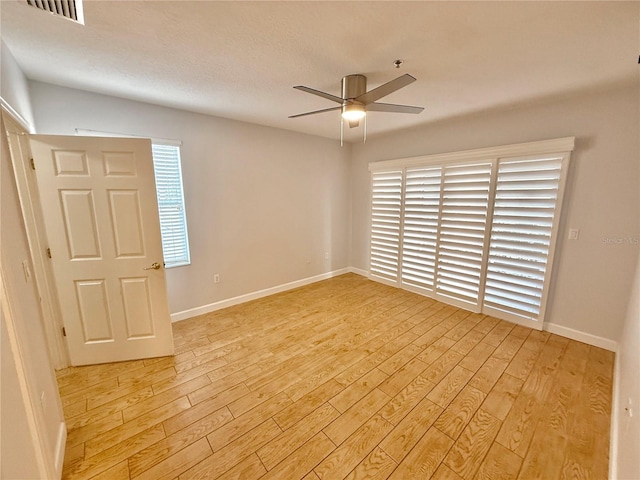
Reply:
x=345 y=378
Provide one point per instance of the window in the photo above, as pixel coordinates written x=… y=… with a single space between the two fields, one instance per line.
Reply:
x=474 y=229
x=173 y=221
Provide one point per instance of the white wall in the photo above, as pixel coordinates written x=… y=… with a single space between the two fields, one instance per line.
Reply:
x=263 y=205
x=17 y=448
x=36 y=445
x=626 y=429
x=14 y=88
x=593 y=275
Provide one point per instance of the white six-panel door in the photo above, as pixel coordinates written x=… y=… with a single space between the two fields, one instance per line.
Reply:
x=99 y=203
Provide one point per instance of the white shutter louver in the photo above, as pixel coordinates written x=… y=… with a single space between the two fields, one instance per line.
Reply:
x=465 y=197
x=173 y=222
x=420 y=221
x=386 y=203
x=523 y=218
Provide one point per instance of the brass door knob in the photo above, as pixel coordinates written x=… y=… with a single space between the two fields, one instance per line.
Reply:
x=154 y=266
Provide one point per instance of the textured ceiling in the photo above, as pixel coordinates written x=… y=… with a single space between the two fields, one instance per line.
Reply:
x=240 y=60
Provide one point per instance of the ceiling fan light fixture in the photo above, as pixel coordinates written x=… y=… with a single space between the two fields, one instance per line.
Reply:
x=353 y=112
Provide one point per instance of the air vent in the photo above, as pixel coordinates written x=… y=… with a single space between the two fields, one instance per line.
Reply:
x=69 y=9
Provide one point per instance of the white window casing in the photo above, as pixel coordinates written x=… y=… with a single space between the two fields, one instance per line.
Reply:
x=475 y=229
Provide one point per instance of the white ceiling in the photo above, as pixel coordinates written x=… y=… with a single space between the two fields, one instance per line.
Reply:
x=240 y=60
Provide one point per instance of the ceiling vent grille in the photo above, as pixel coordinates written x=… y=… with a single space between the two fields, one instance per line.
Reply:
x=69 y=9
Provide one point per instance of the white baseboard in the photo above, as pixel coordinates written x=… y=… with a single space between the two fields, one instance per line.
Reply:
x=583 y=337
x=60 y=448
x=358 y=271
x=212 y=307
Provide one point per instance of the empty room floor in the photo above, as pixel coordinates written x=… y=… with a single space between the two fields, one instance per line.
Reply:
x=345 y=378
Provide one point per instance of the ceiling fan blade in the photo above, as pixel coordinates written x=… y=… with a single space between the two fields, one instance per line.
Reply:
x=314 y=112
x=390 y=107
x=328 y=96
x=385 y=89
x=354 y=123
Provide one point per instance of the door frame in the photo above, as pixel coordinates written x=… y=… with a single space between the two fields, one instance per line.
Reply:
x=37 y=238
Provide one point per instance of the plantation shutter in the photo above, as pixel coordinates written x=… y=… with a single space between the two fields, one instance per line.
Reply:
x=523 y=222
x=386 y=205
x=173 y=222
x=465 y=198
x=475 y=229
x=420 y=222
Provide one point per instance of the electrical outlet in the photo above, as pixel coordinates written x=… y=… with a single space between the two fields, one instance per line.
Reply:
x=326 y=255
x=216 y=278
x=574 y=233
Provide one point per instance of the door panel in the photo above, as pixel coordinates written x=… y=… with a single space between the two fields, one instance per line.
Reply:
x=126 y=222
x=93 y=306
x=137 y=307
x=80 y=224
x=99 y=203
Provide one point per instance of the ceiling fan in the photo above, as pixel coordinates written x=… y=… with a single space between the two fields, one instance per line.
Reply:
x=355 y=101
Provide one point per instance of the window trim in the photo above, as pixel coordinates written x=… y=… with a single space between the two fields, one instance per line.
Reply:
x=561 y=147
x=557 y=145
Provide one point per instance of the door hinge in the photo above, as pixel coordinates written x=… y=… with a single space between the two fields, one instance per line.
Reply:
x=33 y=164
x=49 y=252
x=64 y=332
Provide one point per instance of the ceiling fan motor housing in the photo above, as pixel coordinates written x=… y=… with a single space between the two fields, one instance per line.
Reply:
x=353 y=86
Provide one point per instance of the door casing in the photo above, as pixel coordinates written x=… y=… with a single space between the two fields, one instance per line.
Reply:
x=17 y=139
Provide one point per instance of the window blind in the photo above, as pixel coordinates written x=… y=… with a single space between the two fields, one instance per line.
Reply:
x=386 y=202
x=523 y=219
x=465 y=197
x=421 y=222
x=173 y=221
x=475 y=229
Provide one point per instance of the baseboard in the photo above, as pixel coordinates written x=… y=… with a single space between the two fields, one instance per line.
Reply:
x=583 y=337
x=615 y=418
x=230 y=302
x=358 y=271
x=60 y=448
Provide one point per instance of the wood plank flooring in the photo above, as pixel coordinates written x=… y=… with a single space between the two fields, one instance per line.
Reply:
x=344 y=379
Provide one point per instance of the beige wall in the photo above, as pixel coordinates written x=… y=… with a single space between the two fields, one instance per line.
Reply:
x=264 y=205
x=593 y=275
x=32 y=421
x=626 y=429
x=17 y=446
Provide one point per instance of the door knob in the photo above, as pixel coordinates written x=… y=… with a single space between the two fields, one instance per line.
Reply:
x=154 y=266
